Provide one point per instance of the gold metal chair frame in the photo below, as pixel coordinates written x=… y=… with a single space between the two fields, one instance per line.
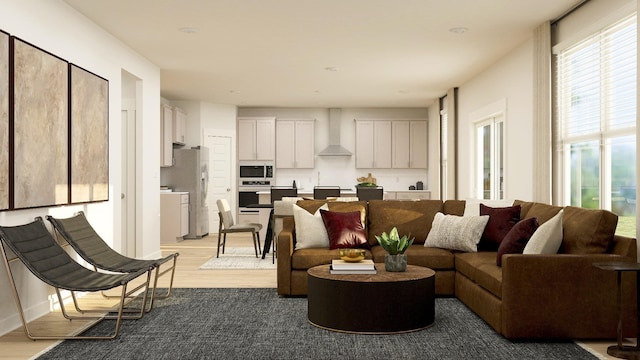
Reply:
x=154 y=295
x=125 y=294
x=60 y=231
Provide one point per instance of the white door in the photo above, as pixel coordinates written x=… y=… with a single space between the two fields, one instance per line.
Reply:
x=220 y=168
x=128 y=195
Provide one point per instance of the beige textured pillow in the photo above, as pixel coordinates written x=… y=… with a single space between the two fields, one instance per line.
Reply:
x=310 y=230
x=456 y=232
x=547 y=238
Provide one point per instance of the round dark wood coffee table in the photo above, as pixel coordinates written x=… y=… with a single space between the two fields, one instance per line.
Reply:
x=382 y=303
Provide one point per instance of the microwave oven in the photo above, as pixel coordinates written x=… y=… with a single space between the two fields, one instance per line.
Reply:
x=255 y=171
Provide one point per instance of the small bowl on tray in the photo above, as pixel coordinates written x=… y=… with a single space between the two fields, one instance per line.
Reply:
x=352 y=255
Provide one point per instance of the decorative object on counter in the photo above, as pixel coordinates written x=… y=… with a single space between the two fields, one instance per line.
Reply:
x=395 y=260
x=294 y=185
x=419 y=185
x=366 y=181
x=411 y=187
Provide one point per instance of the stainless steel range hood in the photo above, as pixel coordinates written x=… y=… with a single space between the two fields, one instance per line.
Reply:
x=334 y=148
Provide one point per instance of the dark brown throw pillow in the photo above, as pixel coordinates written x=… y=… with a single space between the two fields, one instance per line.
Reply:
x=517 y=238
x=501 y=220
x=344 y=229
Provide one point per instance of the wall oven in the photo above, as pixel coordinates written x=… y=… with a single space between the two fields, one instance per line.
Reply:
x=253 y=176
x=247 y=196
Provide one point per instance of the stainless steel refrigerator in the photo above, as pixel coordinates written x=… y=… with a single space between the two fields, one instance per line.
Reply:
x=190 y=172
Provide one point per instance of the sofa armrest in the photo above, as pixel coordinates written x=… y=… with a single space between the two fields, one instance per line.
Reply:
x=284 y=250
x=562 y=295
x=624 y=246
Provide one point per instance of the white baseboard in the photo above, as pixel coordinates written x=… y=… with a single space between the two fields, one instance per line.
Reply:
x=13 y=321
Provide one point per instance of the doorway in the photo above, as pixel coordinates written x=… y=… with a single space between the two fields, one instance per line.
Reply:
x=131 y=99
x=220 y=173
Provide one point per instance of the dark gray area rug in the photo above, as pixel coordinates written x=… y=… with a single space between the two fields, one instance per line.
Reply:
x=257 y=324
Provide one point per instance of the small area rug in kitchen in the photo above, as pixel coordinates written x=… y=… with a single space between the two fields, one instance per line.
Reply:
x=238 y=258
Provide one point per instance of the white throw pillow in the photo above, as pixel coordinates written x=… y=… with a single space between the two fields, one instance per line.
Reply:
x=456 y=232
x=472 y=206
x=547 y=238
x=310 y=230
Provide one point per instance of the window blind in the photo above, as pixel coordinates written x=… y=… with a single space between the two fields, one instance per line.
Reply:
x=597 y=82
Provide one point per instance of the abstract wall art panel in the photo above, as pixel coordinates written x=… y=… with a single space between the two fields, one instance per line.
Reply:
x=40 y=127
x=4 y=120
x=89 y=136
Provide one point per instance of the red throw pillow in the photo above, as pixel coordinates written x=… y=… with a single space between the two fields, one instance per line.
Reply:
x=501 y=220
x=517 y=238
x=344 y=229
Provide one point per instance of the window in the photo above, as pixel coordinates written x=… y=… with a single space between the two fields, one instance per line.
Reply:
x=444 y=119
x=597 y=122
x=490 y=158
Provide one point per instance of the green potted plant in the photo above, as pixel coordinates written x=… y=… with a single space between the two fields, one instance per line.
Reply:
x=395 y=260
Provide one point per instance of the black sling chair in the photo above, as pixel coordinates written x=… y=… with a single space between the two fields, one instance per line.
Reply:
x=36 y=247
x=82 y=237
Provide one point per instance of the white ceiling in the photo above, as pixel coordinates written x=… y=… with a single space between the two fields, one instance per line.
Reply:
x=380 y=53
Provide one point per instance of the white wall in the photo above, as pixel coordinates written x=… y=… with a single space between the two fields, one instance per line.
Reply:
x=53 y=26
x=340 y=170
x=509 y=80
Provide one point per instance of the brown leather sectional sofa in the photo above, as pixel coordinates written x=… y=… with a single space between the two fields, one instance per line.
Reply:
x=560 y=296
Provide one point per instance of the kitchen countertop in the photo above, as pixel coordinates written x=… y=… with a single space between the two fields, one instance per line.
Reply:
x=310 y=192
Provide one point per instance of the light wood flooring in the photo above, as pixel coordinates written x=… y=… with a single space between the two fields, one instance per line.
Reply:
x=193 y=253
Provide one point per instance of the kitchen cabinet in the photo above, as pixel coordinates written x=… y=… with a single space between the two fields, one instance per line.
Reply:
x=295 y=144
x=179 y=123
x=408 y=195
x=256 y=138
x=373 y=144
x=166 y=135
x=409 y=144
x=174 y=216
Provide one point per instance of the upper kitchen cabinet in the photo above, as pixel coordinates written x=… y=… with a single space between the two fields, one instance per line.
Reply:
x=166 y=135
x=409 y=144
x=179 y=123
x=295 y=144
x=256 y=138
x=373 y=144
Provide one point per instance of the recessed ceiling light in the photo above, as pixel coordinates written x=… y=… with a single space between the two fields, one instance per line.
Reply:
x=188 y=30
x=459 y=30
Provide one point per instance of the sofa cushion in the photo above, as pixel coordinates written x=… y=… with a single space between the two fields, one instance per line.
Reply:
x=343 y=206
x=517 y=238
x=411 y=218
x=456 y=232
x=481 y=268
x=310 y=229
x=454 y=207
x=543 y=212
x=501 y=220
x=344 y=229
x=547 y=238
x=587 y=231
